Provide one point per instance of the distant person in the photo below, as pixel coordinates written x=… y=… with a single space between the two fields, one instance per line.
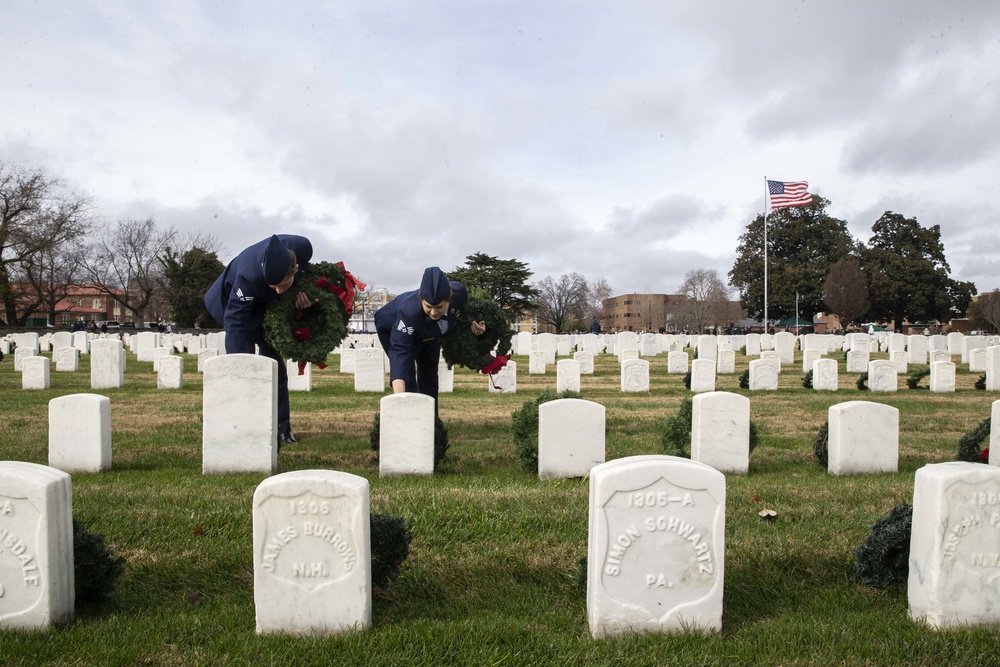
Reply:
x=410 y=328
x=595 y=327
x=239 y=298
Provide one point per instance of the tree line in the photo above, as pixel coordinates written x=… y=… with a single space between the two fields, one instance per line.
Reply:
x=900 y=274
x=52 y=241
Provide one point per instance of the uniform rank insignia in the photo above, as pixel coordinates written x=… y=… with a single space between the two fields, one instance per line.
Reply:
x=401 y=326
x=241 y=296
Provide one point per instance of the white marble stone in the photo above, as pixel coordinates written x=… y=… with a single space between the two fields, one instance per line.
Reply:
x=655 y=548
x=993 y=368
x=536 y=362
x=956 y=343
x=347 y=360
x=882 y=376
x=708 y=347
x=809 y=356
x=81 y=342
x=635 y=375
x=628 y=353
x=504 y=381
x=369 y=370
x=648 y=345
x=547 y=343
x=107 y=364
x=942 y=377
x=726 y=362
x=916 y=349
x=406 y=435
x=36 y=372
x=954 y=546
x=863 y=438
x=825 y=376
x=299 y=381
x=67 y=359
x=523 y=343
x=702 y=375
x=720 y=431
x=36 y=556
x=170 y=372
x=773 y=358
x=240 y=414
x=970 y=343
x=753 y=345
x=567 y=375
x=677 y=362
x=586 y=361
x=938 y=355
x=784 y=345
x=160 y=351
x=763 y=376
x=977 y=360
x=994 y=458
x=570 y=437
x=20 y=354
x=446 y=377
x=312 y=553
x=899 y=359
x=80 y=433
x=857 y=361
x=205 y=354
x=145 y=343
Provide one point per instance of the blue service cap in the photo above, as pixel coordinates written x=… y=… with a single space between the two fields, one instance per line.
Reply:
x=276 y=261
x=434 y=286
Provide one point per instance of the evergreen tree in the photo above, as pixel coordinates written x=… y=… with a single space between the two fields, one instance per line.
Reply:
x=505 y=280
x=188 y=277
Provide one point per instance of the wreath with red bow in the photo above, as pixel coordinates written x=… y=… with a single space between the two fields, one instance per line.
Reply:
x=460 y=346
x=309 y=335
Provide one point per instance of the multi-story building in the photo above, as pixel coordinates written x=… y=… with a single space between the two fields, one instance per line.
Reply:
x=641 y=312
x=82 y=303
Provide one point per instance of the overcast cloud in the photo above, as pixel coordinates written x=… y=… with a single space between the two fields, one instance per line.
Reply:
x=626 y=140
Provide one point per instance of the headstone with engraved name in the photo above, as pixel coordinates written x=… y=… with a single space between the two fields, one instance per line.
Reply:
x=107 y=363
x=857 y=361
x=36 y=372
x=942 y=378
x=61 y=339
x=240 y=414
x=726 y=362
x=677 y=362
x=204 y=355
x=536 y=362
x=656 y=544
x=567 y=375
x=170 y=372
x=369 y=370
x=635 y=375
x=570 y=437
x=406 y=435
x=954 y=546
x=80 y=433
x=825 y=375
x=863 y=438
x=899 y=360
x=702 y=375
x=504 y=381
x=297 y=381
x=882 y=376
x=977 y=360
x=36 y=546
x=720 y=431
x=763 y=375
x=20 y=354
x=67 y=359
x=312 y=553
x=586 y=361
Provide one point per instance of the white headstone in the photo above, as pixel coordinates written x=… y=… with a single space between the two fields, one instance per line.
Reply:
x=20 y=354
x=406 y=435
x=857 y=361
x=145 y=343
x=35 y=372
x=677 y=362
x=784 y=345
x=956 y=343
x=810 y=355
x=170 y=372
x=62 y=339
x=916 y=348
x=635 y=375
x=993 y=368
x=536 y=362
x=628 y=353
x=943 y=377
x=299 y=381
x=954 y=545
x=882 y=376
x=763 y=376
x=655 y=548
x=995 y=434
x=504 y=381
x=977 y=360
x=702 y=375
x=67 y=359
x=570 y=437
x=726 y=363
x=567 y=375
x=347 y=360
x=586 y=361
x=547 y=343
x=753 y=345
x=312 y=553
x=446 y=377
x=562 y=346
x=773 y=358
x=863 y=438
x=240 y=414
x=523 y=342
x=81 y=342
x=647 y=345
x=80 y=433
x=720 y=431
x=161 y=351
x=825 y=375
x=107 y=364
x=899 y=360
x=708 y=347
x=369 y=370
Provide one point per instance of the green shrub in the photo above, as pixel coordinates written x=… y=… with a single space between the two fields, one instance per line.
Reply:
x=440 y=438
x=95 y=566
x=883 y=559
x=914 y=378
x=745 y=379
x=807 y=380
x=862 y=383
x=676 y=438
x=524 y=427
x=390 y=540
x=981 y=383
x=970 y=445
x=687 y=380
x=822 y=443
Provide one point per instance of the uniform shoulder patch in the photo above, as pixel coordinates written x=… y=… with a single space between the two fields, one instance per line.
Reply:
x=241 y=296
x=401 y=326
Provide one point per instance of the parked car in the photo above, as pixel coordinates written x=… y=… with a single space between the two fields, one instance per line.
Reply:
x=104 y=325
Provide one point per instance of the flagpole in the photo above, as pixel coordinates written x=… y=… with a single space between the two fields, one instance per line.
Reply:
x=767 y=195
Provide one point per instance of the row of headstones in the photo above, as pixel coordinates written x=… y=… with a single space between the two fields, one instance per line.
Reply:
x=141 y=344
x=655 y=548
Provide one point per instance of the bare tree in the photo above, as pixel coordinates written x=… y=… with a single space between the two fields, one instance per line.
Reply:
x=35 y=216
x=845 y=290
x=124 y=262
x=707 y=302
x=985 y=311
x=51 y=273
x=562 y=303
x=599 y=291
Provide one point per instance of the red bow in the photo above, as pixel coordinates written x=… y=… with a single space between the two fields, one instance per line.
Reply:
x=302 y=334
x=985 y=455
x=347 y=293
x=302 y=367
x=496 y=364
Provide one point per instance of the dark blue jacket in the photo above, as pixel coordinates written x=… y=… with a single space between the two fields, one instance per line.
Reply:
x=239 y=297
x=408 y=331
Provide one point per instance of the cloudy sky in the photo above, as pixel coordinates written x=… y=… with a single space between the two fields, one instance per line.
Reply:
x=627 y=140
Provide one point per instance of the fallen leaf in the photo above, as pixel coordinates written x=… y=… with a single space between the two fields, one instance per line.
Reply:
x=194 y=598
x=198 y=530
x=767 y=515
x=755 y=498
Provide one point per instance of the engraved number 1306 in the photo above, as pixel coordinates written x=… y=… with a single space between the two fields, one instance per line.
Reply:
x=312 y=507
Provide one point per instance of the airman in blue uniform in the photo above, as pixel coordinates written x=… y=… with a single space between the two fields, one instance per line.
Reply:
x=239 y=298
x=410 y=328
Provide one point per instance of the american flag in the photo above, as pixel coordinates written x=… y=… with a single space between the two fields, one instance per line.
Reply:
x=784 y=194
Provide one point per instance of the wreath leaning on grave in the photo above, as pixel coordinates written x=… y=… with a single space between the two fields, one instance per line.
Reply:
x=460 y=346
x=309 y=335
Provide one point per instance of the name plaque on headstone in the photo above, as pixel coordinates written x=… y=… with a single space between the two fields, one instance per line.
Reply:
x=312 y=557
x=656 y=546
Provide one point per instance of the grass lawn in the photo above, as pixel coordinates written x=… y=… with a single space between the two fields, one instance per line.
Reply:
x=491 y=575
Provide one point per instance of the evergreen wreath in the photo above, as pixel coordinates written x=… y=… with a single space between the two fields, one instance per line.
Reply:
x=460 y=346
x=916 y=376
x=862 y=383
x=821 y=444
x=440 y=438
x=884 y=557
x=970 y=445
x=981 y=383
x=807 y=380
x=390 y=546
x=310 y=335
